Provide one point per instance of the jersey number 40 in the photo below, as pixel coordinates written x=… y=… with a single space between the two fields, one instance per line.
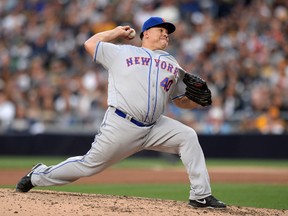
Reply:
x=166 y=83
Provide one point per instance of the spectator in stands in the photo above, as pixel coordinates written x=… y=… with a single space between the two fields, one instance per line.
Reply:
x=7 y=111
x=239 y=47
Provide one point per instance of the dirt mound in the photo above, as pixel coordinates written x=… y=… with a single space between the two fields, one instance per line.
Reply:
x=44 y=203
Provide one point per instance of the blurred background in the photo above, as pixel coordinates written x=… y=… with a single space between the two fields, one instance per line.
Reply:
x=48 y=84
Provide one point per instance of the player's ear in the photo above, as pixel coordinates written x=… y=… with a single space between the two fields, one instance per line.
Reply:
x=145 y=34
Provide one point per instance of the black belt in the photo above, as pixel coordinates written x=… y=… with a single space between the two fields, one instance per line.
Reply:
x=126 y=116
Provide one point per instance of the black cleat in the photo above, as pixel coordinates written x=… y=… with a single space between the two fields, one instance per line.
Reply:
x=25 y=184
x=208 y=202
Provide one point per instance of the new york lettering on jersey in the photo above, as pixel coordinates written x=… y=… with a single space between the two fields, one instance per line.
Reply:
x=145 y=61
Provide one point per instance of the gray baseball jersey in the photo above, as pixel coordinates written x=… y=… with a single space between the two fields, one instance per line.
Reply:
x=141 y=82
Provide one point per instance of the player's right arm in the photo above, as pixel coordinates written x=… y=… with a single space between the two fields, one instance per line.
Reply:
x=106 y=36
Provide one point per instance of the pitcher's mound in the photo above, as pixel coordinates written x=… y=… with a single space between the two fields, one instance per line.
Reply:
x=38 y=202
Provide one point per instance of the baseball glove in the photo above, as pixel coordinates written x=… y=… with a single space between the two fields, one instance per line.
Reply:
x=197 y=90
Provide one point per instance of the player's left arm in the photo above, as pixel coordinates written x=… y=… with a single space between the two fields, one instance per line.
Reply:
x=178 y=95
x=185 y=103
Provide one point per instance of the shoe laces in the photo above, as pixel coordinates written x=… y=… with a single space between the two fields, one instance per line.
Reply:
x=212 y=198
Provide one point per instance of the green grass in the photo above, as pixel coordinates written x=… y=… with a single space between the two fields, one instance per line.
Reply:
x=25 y=162
x=247 y=162
x=252 y=195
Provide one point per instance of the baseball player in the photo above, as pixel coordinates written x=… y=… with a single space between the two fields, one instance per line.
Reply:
x=141 y=81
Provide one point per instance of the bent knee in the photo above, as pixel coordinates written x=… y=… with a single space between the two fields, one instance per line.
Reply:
x=189 y=136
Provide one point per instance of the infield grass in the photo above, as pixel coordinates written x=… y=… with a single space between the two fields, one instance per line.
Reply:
x=16 y=162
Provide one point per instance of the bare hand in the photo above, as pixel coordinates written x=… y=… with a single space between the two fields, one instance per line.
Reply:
x=125 y=31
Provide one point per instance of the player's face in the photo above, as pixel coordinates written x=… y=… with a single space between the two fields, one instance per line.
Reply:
x=158 y=37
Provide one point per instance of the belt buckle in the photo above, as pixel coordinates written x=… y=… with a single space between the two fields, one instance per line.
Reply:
x=128 y=117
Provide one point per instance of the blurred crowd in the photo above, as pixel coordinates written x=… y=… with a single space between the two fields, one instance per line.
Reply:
x=49 y=84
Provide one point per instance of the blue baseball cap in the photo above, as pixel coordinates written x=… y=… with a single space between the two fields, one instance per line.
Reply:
x=157 y=22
